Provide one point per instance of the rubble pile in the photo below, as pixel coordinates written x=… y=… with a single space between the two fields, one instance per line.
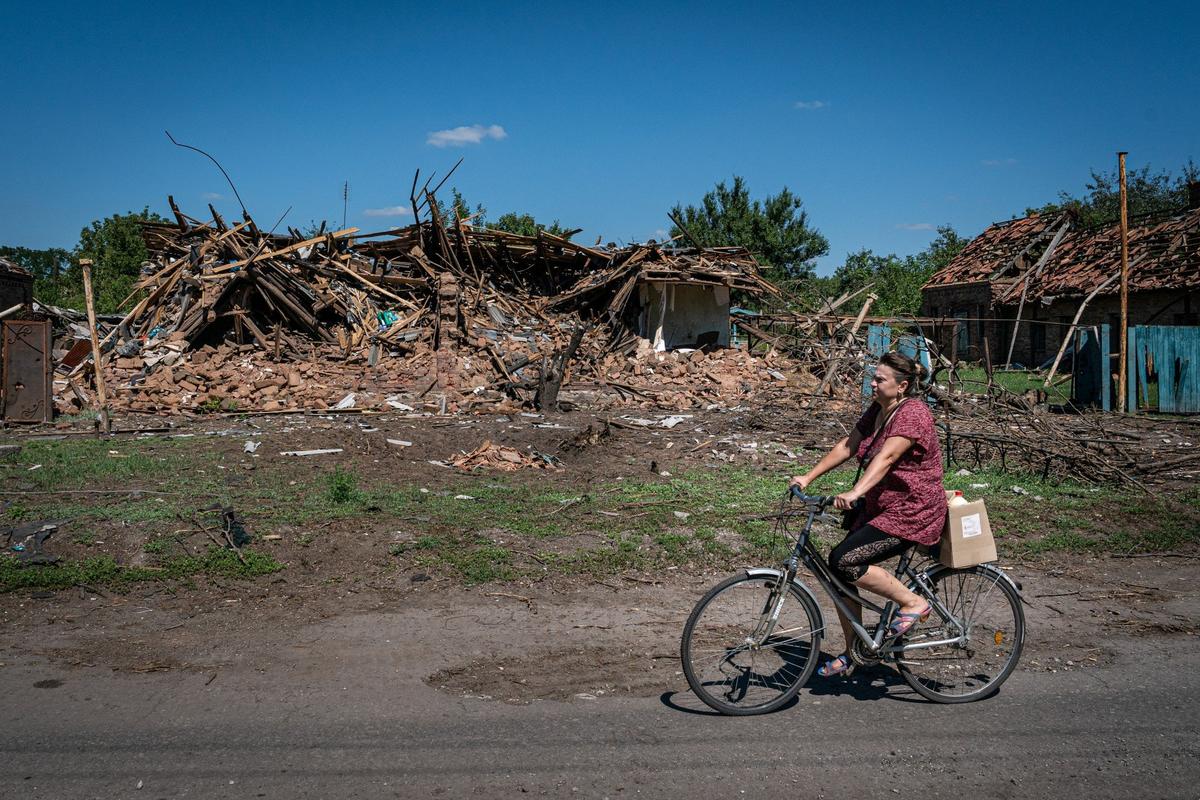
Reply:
x=232 y=318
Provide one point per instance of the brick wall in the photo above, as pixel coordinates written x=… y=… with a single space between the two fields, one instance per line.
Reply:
x=1042 y=327
x=970 y=302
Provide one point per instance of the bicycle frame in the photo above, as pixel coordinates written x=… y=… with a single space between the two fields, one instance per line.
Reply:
x=804 y=552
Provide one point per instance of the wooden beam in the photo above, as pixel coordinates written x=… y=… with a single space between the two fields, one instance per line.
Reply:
x=342 y=234
x=1029 y=277
x=1062 y=348
x=101 y=394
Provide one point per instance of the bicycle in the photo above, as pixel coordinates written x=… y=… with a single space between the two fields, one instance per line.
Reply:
x=752 y=641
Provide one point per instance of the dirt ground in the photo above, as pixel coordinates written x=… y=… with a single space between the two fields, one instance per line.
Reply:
x=559 y=636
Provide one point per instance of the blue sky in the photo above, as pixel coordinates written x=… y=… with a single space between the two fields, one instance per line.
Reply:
x=887 y=119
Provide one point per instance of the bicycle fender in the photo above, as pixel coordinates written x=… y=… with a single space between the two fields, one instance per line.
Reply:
x=765 y=572
x=1016 y=587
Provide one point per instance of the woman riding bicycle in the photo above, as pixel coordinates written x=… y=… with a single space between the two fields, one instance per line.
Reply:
x=901 y=486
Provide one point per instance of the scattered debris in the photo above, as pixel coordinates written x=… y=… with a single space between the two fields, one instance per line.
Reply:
x=26 y=542
x=494 y=456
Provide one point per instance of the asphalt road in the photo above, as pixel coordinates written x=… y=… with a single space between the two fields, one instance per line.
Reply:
x=372 y=729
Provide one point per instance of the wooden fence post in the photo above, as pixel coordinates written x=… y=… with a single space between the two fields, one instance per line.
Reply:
x=97 y=367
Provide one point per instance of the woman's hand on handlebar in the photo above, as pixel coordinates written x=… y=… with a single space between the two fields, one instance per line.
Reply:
x=846 y=500
x=801 y=481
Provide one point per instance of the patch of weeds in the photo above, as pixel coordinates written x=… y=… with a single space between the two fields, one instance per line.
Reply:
x=159 y=545
x=478 y=561
x=18 y=512
x=342 y=487
x=622 y=556
x=83 y=415
x=211 y=405
x=105 y=571
x=94 y=463
x=87 y=539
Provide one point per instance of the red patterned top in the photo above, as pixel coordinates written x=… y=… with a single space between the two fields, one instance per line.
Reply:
x=909 y=501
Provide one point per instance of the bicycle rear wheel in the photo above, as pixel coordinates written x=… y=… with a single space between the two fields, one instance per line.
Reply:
x=729 y=662
x=983 y=601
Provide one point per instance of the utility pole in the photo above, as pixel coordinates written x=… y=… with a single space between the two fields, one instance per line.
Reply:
x=345 y=201
x=1124 y=402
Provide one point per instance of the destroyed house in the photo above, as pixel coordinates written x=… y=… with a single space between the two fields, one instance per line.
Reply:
x=1035 y=273
x=350 y=289
x=228 y=315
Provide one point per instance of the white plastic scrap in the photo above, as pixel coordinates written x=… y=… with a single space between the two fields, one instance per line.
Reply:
x=250 y=447
x=394 y=402
x=399 y=442
x=311 y=452
x=346 y=402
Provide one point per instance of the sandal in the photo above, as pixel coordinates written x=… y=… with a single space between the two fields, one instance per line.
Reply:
x=903 y=623
x=836 y=666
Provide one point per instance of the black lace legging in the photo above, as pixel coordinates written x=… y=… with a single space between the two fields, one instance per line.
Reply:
x=861 y=548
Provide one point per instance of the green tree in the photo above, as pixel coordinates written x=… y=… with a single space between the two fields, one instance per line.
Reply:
x=941 y=251
x=1150 y=192
x=51 y=270
x=897 y=281
x=457 y=208
x=115 y=246
x=775 y=229
x=526 y=225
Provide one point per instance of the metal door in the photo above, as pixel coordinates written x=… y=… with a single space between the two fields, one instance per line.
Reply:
x=26 y=360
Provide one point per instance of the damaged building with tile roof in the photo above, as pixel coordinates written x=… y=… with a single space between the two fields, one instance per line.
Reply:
x=1040 y=268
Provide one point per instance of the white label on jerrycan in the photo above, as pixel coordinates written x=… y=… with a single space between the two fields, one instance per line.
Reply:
x=971 y=526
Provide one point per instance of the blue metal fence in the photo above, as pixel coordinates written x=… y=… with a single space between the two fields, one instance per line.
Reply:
x=1164 y=369
x=879 y=341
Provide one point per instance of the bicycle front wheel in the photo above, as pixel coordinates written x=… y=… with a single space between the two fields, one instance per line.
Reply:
x=988 y=625
x=736 y=659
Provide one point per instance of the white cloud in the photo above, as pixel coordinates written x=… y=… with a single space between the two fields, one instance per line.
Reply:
x=998 y=162
x=810 y=105
x=464 y=135
x=210 y=196
x=388 y=211
x=916 y=226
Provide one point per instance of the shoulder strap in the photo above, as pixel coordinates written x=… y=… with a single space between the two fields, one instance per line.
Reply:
x=879 y=431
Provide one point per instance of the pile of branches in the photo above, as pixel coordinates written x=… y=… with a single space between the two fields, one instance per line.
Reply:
x=1089 y=448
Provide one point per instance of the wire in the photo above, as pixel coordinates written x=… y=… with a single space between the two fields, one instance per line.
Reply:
x=218 y=163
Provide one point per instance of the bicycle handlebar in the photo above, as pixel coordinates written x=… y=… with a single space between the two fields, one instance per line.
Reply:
x=821 y=500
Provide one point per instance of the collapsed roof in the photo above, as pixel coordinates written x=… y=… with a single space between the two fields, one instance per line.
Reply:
x=1061 y=259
